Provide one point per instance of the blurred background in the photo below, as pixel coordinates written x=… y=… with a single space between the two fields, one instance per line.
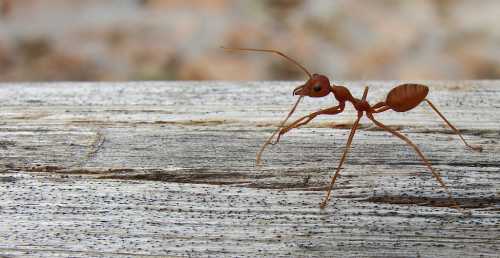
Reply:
x=96 y=40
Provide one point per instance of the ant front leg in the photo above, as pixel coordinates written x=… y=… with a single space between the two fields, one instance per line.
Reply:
x=306 y=119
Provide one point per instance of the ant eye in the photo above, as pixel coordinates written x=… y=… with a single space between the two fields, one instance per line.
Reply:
x=317 y=87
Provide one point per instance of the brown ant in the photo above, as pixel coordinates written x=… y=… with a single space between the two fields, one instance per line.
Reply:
x=402 y=98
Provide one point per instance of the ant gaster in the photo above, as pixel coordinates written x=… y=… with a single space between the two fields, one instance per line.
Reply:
x=402 y=98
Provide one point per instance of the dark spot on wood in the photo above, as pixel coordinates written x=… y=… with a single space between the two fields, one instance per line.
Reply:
x=475 y=202
x=6 y=144
x=8 y=179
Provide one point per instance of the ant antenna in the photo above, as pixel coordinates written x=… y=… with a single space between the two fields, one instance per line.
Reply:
x=259 y=154
x=271 y=51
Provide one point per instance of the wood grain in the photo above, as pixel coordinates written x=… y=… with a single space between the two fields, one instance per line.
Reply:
x=168 y=169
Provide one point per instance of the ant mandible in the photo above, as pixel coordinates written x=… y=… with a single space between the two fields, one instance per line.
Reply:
x=402 y=98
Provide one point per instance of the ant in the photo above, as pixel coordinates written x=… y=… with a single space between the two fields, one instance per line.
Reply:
x=402 y=98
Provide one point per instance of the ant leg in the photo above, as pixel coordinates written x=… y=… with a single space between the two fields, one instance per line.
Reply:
x=297 y=123
x=417 y=150
x=268 y=141
x=382 y=109
x=365 y=94
x=476 y=148
x=379 y=105
x=346 y=150
x=300 y=122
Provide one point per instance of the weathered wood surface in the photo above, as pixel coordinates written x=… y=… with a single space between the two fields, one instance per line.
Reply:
x=167 y=169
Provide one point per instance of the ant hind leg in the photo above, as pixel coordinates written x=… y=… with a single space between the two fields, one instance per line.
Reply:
x=474 y=147
x=417 y=150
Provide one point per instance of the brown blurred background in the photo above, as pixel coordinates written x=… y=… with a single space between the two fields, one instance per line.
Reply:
x=50 y=40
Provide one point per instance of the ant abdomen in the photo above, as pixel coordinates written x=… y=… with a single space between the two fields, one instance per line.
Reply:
x=406 y=96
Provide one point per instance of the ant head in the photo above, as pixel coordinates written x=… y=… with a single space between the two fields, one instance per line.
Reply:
x=317 y=86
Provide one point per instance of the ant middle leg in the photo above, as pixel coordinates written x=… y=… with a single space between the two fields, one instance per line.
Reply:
x=344 y=155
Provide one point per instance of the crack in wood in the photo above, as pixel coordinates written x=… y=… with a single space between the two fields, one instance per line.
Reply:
x=246 y=180
x=469 y=203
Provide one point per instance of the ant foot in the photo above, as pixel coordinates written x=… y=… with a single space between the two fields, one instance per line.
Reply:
x=477 y=148
x=282 y=131
x=276 y=141
x=323 y=204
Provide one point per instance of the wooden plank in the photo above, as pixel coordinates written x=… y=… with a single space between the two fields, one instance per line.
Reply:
x=168 y=169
